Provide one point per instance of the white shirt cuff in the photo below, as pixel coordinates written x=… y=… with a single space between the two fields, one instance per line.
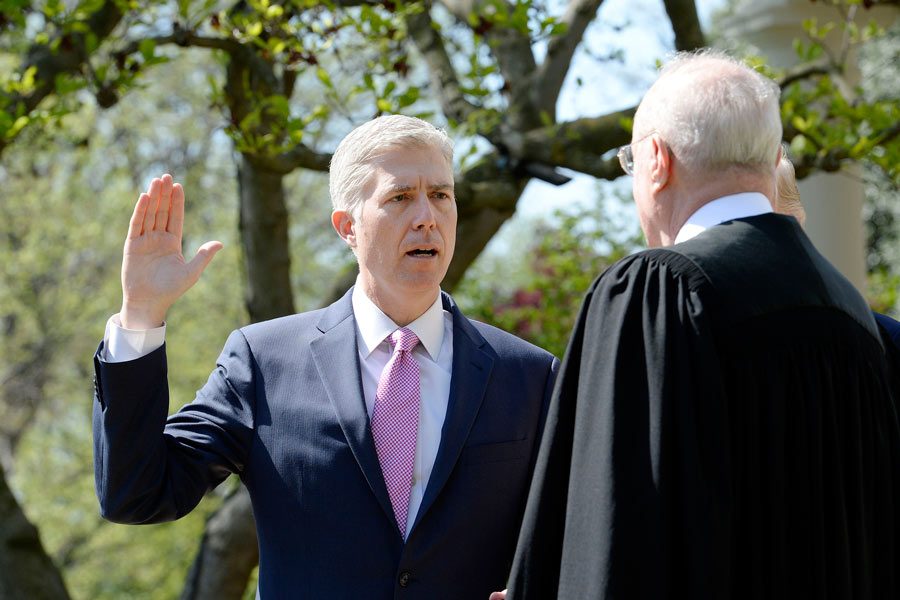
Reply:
x=122 y=344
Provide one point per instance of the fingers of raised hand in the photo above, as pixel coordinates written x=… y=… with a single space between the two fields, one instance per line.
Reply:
x=176 y=214
x=160 y=208
x=150 y=216
x=165 y=202
x=136 y=225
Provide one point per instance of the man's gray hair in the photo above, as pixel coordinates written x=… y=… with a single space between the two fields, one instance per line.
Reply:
x=351 y=162
x=714 y=112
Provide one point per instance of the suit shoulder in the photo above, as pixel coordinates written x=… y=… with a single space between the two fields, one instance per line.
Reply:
x=293 y=328
x=508 y=345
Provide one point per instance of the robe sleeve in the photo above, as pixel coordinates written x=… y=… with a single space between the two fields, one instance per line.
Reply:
x=630 y=493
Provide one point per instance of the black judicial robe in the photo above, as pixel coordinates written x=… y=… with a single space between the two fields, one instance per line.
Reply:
x=722 y=427
x=890 y=337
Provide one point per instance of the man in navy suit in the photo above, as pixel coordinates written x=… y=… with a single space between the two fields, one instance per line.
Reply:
x=299 y=407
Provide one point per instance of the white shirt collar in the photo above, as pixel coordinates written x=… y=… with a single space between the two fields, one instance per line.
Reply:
x=726 y=208
x=374 y=326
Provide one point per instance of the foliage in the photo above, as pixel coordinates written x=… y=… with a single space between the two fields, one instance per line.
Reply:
x=878 y=65
x=827 y=120
x=60 y=197
x=559 y=256
x=306 y=42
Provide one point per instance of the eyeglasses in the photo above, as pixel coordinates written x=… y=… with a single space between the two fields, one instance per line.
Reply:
x=626 y=155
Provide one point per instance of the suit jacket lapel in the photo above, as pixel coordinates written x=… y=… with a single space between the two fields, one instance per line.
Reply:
x=472 y=367
x=337 y=361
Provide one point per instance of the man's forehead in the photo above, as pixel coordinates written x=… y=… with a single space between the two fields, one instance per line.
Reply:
x=396 y=172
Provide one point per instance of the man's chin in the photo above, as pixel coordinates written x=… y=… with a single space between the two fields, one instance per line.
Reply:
x=422 y=281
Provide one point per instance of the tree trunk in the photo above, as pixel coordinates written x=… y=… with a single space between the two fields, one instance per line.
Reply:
x=228 y=552
x=26 y=572
x=474 y=231
x=264 y=237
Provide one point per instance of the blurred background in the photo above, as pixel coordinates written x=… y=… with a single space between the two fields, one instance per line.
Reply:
x=243 y=102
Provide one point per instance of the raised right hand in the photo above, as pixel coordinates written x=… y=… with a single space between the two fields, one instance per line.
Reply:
x=154 y=272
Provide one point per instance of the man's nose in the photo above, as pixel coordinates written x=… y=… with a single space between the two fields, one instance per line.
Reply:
x=424 y=217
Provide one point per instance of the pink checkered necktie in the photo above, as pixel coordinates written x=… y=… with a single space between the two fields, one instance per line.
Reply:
x=395 y=421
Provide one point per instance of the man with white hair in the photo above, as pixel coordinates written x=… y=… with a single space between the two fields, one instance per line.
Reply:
x=722 y=425
x=386 y=441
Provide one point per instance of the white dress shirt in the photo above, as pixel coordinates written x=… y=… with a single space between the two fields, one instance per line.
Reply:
x=726 y=208
x=434 y=354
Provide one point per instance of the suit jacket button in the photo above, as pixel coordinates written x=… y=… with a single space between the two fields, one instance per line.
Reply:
x=404 y=579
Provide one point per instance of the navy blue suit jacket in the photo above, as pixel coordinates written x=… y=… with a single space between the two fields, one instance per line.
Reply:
x=284 y=410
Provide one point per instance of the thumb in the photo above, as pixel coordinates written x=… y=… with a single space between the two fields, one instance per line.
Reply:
x=204 y=254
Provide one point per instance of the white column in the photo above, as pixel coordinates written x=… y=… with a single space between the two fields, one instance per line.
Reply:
x=833 y=201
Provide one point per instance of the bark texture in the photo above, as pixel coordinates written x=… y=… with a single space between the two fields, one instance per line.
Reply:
x=228 y=552
x=26 y=572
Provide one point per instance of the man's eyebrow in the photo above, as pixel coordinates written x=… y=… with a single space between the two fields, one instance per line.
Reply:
x=399 y=188
x=396 y=189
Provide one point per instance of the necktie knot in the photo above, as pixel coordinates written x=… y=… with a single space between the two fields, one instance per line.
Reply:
x=404 y=340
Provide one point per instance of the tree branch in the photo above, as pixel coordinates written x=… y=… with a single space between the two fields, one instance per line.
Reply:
x=580 y=144
x=833 y=160
x=515 y=60
x=430 y=44
x=299 y=157
x=236 y=50
x=560 y=50
x=805 y=71
x=70 y=57
x=685 y=24
x=887 y=135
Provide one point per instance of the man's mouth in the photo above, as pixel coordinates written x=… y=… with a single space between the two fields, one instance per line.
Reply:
x=422 y=252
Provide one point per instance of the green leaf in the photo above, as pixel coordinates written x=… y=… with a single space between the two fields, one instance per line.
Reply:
x=809 y=25
x=254 y=29
x=52 y=8
x=147 y=48
x=17 y=126
x=409 y=97
x=324 y=77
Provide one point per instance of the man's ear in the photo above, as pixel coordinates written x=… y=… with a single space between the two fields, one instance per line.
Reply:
x=343 y=223
x=660 y=163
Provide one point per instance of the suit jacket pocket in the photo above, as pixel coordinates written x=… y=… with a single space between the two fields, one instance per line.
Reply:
x=496 y=452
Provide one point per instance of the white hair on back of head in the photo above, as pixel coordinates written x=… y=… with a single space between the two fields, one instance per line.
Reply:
x=714 y=112
x=351 y=162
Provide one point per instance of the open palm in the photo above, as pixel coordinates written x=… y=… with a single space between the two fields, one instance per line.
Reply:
x=154 y=271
